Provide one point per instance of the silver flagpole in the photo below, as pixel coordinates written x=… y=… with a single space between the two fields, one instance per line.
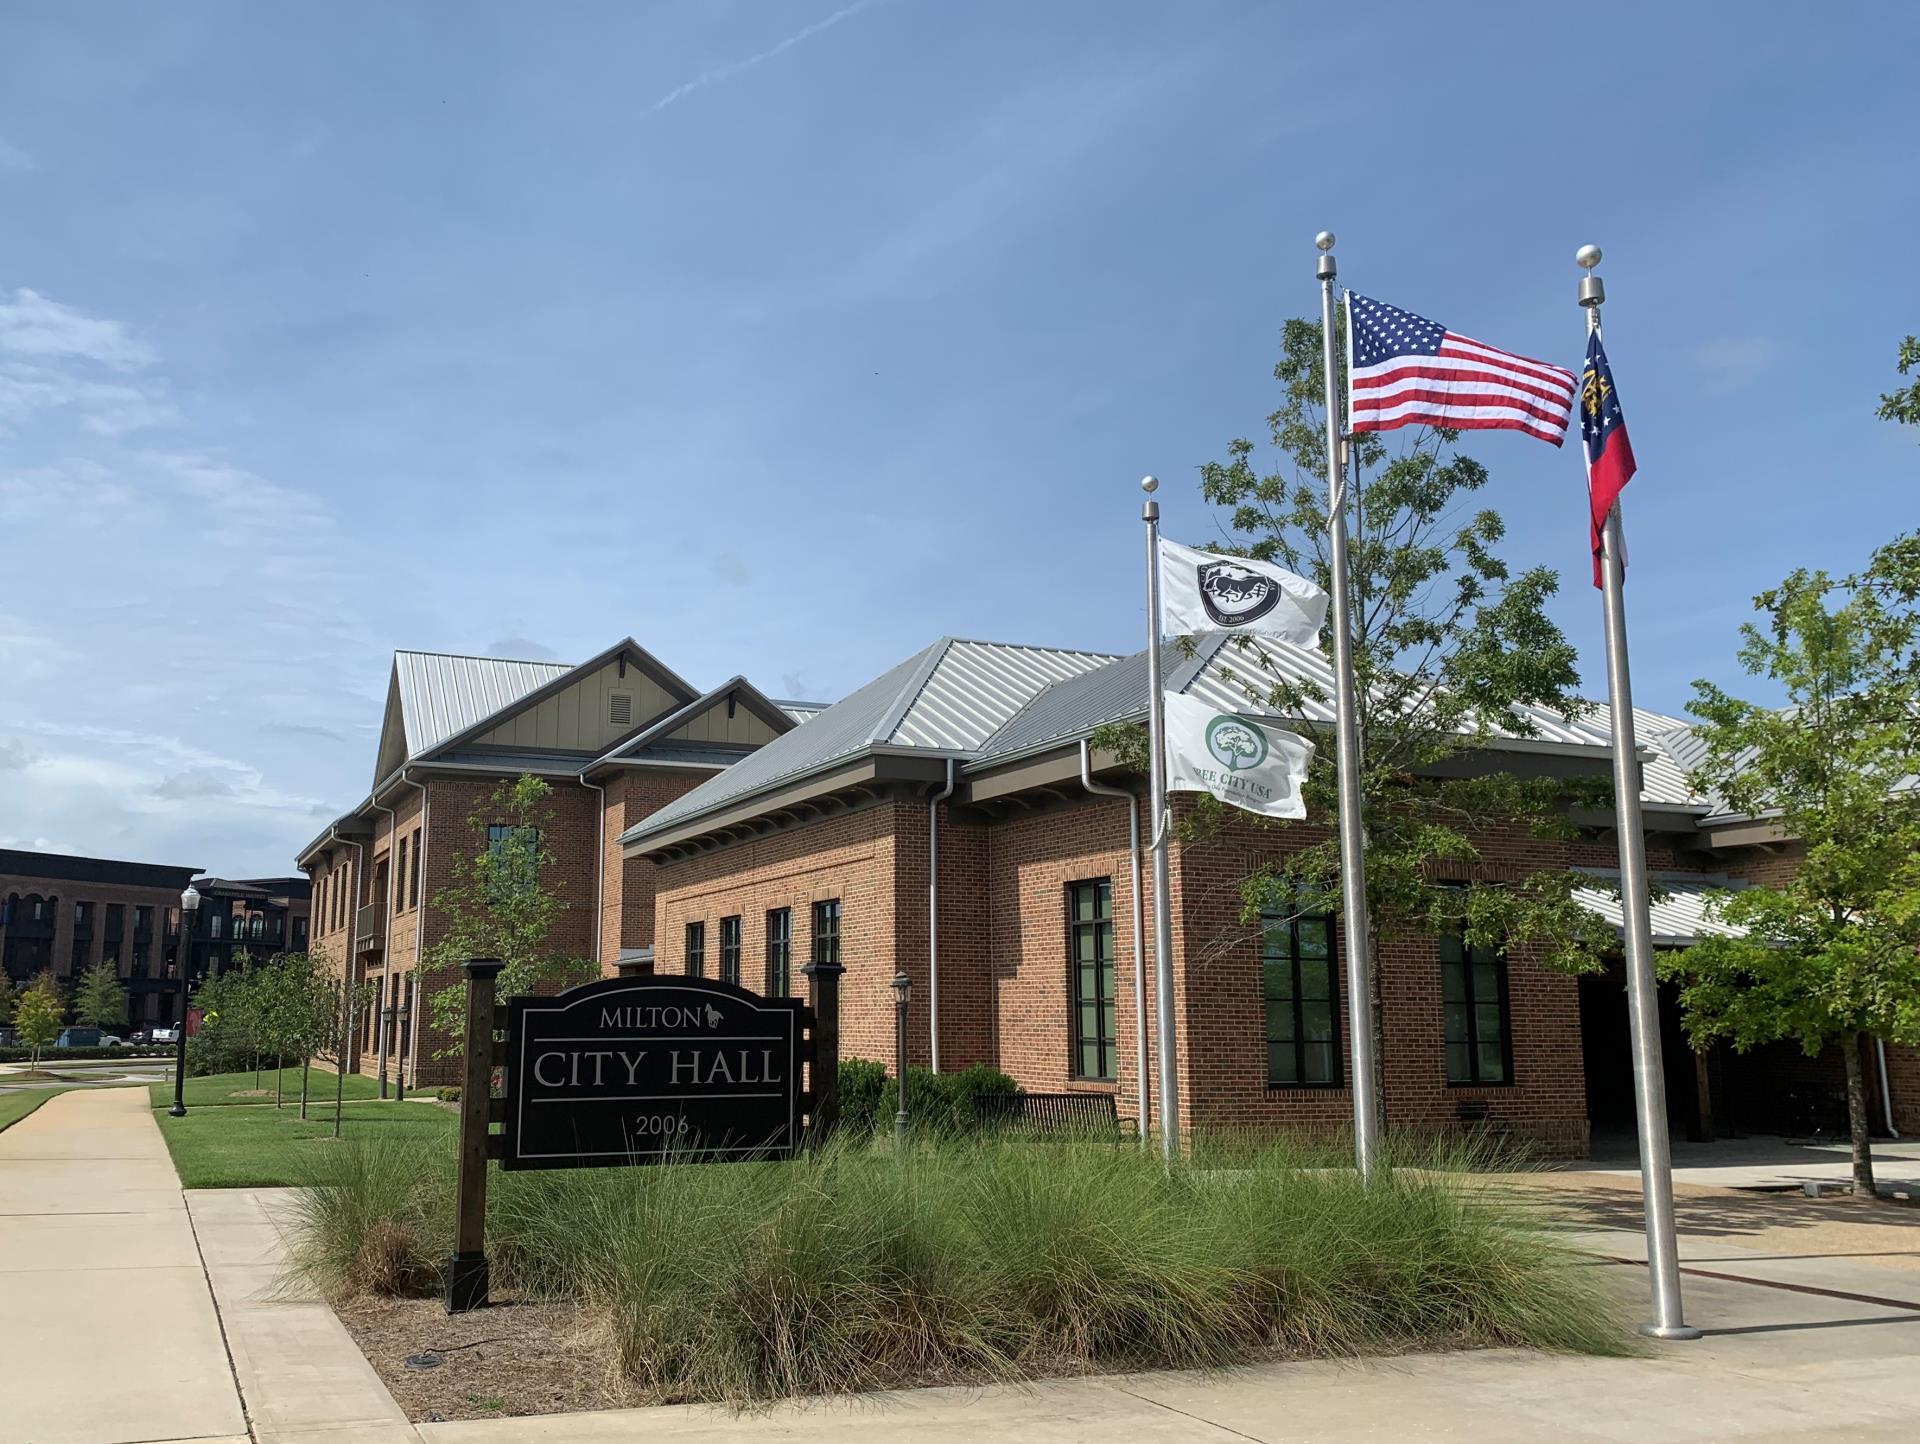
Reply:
x=1353 y=840
x=1169 y=1073
x=1643 y=998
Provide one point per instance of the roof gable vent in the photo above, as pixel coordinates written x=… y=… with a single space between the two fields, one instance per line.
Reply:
x=620 y=709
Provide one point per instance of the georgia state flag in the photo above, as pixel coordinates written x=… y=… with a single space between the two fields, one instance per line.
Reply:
x=1609 y=453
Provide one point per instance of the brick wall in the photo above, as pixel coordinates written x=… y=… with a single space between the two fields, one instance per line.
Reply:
x=626 y=900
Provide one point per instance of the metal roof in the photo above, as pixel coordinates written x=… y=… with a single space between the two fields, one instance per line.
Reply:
x=801 y=711
x=947 y=698
x=1669 y=750
x=1231 y=674
x=442 y=695
x=1681 y=918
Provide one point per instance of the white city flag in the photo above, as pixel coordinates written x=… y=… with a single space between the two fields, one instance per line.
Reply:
x=1250 y=764
x=1209 y=592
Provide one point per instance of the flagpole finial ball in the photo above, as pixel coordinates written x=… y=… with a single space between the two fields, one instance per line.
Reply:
x=1149 y=483
x=1323 y=241
x=1587 y=257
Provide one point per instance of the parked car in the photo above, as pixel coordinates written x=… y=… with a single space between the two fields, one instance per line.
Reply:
x=86 y=1038
x=163 y=1035
x=138 y=1036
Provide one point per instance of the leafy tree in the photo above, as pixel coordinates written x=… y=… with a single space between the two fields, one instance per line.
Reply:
x=9 y=996
x=1449 y=642
x=1832 y=956
x=38 y=1014
x=500 y=906
x=1903 y=404
x=100 y=999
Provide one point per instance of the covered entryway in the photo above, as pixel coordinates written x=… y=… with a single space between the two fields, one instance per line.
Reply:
x=1606 y=1049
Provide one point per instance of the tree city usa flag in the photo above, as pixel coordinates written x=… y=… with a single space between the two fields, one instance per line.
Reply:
x=1240 y=761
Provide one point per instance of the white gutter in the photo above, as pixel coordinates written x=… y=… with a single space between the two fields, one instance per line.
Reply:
x=933 y=913
x=1886 y=1093
x=599 y=863
x=417 y=1007
x=386 y=948
x=1101 y=789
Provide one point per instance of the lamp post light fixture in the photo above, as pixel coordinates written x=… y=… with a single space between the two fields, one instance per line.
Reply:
x=182 y=963
x=902 y=991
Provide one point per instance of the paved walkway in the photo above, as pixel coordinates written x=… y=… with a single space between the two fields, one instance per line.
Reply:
x=108 y=1333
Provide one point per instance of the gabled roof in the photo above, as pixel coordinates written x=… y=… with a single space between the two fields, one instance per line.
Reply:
x=443 y=694
x=771 y=712
x=802 y=711
x=1220 y=672
x=1680 y=919
x=946 y=699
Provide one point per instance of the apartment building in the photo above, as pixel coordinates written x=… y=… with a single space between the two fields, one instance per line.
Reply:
x=952 y=820
x=616 y=737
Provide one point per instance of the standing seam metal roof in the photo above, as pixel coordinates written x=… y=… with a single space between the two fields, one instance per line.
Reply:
x=441 y=695
x=946 y=698
x=1681 y=918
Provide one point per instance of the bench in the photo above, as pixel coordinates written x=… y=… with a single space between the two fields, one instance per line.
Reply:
x=1082 y=1113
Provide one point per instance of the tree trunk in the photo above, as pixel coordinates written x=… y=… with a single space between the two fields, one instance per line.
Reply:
x=1857 y=1116
x=279 y=1080
x=305 y=1064
x=340 y=1055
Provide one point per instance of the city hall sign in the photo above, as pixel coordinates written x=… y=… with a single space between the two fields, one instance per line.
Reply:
x=637 y=1070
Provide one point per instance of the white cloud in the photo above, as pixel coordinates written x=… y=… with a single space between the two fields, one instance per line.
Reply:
x=736 y=67
x=32 y=325
x=1736 y=362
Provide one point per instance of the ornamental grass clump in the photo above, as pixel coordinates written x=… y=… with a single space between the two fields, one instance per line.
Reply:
x=973 y=1260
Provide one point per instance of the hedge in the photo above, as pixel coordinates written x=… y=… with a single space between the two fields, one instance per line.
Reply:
x=936 y=1102
x=55 y=1055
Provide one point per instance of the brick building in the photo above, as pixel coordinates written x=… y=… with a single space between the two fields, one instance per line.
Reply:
x=616 y=737
x=69 y=913
x=951 y=820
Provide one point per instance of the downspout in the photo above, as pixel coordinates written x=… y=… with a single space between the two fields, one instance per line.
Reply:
x=353 y=910
x=386 y=948
x=599 y=868
x=1102 y=789
x=1886 y=1093
x=419 y=924
x=933 y=914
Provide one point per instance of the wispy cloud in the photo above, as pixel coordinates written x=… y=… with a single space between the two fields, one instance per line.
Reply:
x=1736 y=362
x=14 y=158
x=737 y=67
x=33 y=325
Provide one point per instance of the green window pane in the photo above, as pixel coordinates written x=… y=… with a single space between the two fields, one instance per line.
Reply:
x=1277 y=979
x=1083 y=944
x=1486 y=986
x=1316 y=1063
x=1453 y=983
x=1486 y=1017
x=1493 y=1066
x=1316 y=981
x=1282 y=1063
x=1456 y=1022
x=1313 y=937
x=1316 y=1021
x=1450 y=948
x=1459 y=1066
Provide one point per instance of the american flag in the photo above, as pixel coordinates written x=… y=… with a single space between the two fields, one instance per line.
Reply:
x=1405 y=370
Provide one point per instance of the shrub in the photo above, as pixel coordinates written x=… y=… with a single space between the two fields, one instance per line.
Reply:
x=936 y=1102
x=976 y=1259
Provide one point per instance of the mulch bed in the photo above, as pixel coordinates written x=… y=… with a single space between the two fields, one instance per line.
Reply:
x=511 y=1359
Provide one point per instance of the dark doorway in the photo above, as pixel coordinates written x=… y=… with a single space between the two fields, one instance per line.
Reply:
x=1606 y=1049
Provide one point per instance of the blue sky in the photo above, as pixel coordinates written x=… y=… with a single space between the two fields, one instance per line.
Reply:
x=788 y=337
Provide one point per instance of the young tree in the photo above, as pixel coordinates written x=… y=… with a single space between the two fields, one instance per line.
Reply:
x=100 y=999
x=1832 y=956
x=38 y=1014
x=9 y=996
x=500 y=906
x=1903 y=404
x=1449 y=644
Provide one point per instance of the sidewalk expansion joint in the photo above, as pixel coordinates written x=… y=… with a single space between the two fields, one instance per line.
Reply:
x=220 y=1318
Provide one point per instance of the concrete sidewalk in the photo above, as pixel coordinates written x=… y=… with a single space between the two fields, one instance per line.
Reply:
x=108 y=1333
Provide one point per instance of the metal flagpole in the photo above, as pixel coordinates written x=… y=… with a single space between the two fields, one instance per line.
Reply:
x=1353 y=842
x=1643 y=998
x=1169 y=1074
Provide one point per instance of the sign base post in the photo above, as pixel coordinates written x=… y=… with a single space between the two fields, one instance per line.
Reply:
x=467 y=1269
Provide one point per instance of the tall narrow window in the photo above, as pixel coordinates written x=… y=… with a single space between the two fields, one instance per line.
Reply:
x=696 y=950
x=779 y=951
x=413 y=873
x=1297 y=978
x=400 y=887
x=826 y=932
x=514 y=854
x=730 y=950
x=1473 y=994
x=1090 y=971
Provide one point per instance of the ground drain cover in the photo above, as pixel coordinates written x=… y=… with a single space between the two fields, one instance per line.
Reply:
x=426 y=1360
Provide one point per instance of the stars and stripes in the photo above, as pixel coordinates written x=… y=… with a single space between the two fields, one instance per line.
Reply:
x=1405 y=370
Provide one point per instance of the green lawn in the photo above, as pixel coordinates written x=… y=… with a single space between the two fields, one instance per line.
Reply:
x=217 y=1090
x=272 y=1148
x=15 y=1106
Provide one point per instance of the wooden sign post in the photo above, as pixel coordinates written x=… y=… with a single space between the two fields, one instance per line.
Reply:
x=634 y=1070
x=467 y=1270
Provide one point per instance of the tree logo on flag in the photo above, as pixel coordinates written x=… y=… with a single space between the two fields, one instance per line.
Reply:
x=1235 y=595
x=1236 y=744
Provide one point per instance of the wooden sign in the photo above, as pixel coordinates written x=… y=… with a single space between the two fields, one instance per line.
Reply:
x=636 y=1070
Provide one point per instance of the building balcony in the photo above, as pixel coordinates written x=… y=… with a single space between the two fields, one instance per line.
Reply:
x=370 y=928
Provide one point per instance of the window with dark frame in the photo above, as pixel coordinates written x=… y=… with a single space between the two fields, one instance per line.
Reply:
x=1090 y=971
x=730 y=950
x=400 y=889
x=696 y=950
x=826 y=932
x=413 y=873
x=1301 y=992
x=779 y=951
x=516 y=858
x=1478 y=1023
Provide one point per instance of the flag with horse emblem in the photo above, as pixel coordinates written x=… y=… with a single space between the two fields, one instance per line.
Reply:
x=1254 y=765
x=1211 y=592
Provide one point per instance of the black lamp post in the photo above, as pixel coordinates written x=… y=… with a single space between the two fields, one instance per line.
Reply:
x=902 y=990
x=182 y=962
